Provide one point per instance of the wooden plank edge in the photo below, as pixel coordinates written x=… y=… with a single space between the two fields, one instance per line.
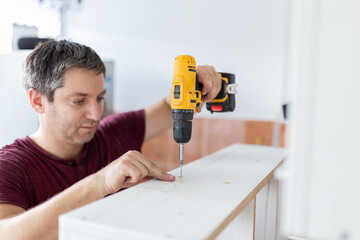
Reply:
x=254 y=218
x=277 y=209
x=243 y=203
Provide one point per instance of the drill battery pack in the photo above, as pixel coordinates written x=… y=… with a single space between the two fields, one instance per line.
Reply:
x=225 y=100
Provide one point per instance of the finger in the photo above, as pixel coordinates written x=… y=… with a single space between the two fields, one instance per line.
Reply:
x=211 y=95
x=132 y=168
x=203 y=74
x=198 y=108
x=157 y=172
x=162 y=175
x=154 y=170
x=211 y=81
x=215 y=89
x=141 y=168
x=128 y=184
x=213 y=72
x=133 y=173
x=207 y=83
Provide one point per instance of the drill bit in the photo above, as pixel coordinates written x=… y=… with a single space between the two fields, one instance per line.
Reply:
x=181 y=157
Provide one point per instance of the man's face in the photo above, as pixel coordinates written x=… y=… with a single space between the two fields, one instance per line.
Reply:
x=77 y=108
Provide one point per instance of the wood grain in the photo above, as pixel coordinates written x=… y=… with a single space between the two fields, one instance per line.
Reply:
x=267 y=211
x=214 y=190
x=243 y=225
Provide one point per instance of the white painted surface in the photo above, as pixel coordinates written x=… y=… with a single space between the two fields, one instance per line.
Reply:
x=248 y=38
x=27 y=12
x=189 y=208
x=242 y=227
x=325 y=193
x=267 y=211
x=336 y=158
x=17 y=119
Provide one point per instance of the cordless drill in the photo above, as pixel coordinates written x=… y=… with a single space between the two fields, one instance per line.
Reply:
x=186 y=96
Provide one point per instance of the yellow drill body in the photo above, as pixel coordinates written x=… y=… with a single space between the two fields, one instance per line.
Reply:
x=184 y=82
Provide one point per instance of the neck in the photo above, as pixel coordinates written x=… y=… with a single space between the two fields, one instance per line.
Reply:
x=56 y=148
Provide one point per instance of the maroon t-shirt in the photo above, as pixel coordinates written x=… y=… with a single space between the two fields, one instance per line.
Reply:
x=30 y=176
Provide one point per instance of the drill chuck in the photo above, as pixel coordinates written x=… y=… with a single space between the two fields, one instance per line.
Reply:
x=182 y=114
x=182 y=131
x=182 y=125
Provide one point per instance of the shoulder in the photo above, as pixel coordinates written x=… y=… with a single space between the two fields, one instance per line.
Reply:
x=132 y=117
x=123 y=123
x=13 y=173
x=20 y=156
x=13 y=155
x=15 y=149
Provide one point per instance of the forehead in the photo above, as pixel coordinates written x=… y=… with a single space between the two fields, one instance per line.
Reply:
x=83 y=79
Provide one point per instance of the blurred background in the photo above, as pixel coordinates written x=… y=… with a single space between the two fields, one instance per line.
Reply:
x=298 y=55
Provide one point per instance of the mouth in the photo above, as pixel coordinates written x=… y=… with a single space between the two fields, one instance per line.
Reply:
x=88 y=127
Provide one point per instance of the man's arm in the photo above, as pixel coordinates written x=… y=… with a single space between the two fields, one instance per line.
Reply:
x=9 y=210
x=41 y=222
x=158 y=116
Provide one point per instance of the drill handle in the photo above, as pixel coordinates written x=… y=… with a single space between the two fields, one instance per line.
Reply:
x=198 y=85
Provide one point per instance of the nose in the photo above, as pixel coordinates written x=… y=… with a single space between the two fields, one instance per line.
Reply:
x=94 y=110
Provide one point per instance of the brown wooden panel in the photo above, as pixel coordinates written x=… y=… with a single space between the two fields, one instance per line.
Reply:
x=208 y=136
x=221 y=133
x=282 y=135
x=156 y=149
x=258 y=132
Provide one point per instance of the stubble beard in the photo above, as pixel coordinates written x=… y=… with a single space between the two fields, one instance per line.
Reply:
x=69 y=133
x=72 y=134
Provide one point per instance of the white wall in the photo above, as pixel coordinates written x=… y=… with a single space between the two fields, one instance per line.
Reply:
x=325 y=194
x=26 y=12
x=248 y=38
x=17 y=118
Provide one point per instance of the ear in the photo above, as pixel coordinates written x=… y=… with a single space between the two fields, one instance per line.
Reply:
x=37 y=100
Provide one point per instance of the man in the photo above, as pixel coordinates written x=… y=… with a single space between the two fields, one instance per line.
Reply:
x=75 y=158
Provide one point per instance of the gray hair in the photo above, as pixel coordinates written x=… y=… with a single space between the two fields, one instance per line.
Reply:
x=44 y=68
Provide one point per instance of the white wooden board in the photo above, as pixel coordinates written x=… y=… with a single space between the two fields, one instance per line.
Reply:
x=242 y=227
x=267 y=211
x=213 y=191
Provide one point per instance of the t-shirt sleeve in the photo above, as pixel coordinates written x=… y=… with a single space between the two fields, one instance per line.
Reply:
x=12 y=182
x=124 y=131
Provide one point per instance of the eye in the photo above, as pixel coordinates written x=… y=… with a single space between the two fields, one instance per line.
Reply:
x=79 y=102
x=101 y=99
